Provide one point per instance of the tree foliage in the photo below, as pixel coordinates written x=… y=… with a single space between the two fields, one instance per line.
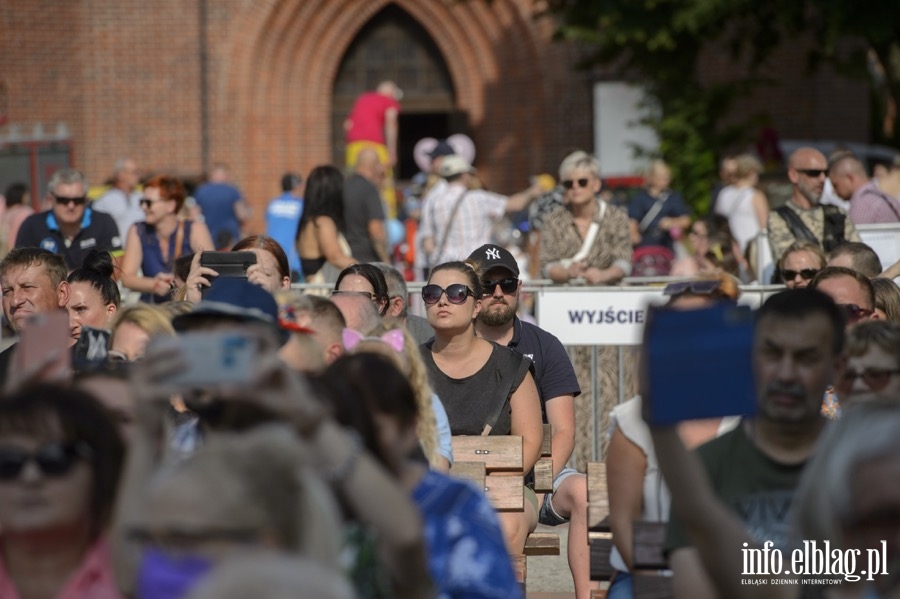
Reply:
x=659 y=42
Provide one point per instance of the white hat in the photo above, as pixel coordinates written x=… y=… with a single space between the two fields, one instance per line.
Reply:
x=454 y=164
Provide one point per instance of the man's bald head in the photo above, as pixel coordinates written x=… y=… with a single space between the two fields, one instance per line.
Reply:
x=389 y=88
x=368 y=165
x=807 y=169
x=847 y=174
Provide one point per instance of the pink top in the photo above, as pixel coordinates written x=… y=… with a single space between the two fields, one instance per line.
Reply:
x=93 y=579
x=368 y=116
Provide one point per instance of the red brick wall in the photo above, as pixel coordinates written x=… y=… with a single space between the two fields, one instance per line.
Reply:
x=125 y=76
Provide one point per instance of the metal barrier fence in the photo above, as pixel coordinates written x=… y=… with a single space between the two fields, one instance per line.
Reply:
x=884 y=239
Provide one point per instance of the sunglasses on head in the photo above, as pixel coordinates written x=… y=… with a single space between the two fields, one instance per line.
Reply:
x=64 y=201
x=806 y=274
x=875 y=379
x=53 y=459
x=456 y=293
x=812 y=172
x=707 y=287
x=507 y=286
x=570 y=183
x=854 y=313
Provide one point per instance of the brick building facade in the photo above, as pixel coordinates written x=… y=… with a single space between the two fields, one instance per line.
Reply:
x=262 y=84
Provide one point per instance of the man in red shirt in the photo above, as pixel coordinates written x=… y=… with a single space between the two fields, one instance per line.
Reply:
x=373 y=123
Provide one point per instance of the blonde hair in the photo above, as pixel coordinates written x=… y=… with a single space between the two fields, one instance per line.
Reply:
x=410 y=363
x=746 y=165
x=150 y=319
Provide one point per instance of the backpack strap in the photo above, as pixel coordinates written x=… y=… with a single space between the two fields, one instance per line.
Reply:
x=507 y=391
x=796 y=226
x=835 y=220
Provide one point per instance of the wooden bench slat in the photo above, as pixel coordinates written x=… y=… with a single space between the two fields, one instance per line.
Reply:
x=543 y=476
x=499 y=453
x=471 y=471
x=649 y=539
x=546 y=442
x=601 y=548
x=506 y=493
x=598 y=501
x=542 y=543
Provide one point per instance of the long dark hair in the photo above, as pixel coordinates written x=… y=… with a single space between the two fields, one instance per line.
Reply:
x=347 y=385
x=97 y=269
x=324 y=196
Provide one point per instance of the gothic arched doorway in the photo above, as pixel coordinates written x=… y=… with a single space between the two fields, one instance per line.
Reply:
x=392 y=45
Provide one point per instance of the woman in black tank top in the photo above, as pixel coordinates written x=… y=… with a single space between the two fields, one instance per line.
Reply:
x=479 y=382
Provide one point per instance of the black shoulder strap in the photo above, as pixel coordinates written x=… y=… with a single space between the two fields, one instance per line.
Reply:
x=835 y=220
x=506 y=393
x=796 y=226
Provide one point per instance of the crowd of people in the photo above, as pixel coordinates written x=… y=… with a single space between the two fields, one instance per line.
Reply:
x=172 y=429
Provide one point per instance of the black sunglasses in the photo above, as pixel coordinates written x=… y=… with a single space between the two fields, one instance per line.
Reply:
x=53 y=459
x=854 y=313
x=456 y=293
x=570 y=183
x=806 y=274
x=64 y=201
x=815 y=173
x=507 y=286
x=707 y=287
x=875 y=379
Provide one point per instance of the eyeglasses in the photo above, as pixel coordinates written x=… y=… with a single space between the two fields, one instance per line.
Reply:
x=456 y=293
x=147 y=202
x=815 y=173
x=706 y=287
x=507 y=286
x=854 y=313
x=367 y=294
x=570 y=183
x=53 y=459
x=64 y=201
x=806 y=274
x=875 y=379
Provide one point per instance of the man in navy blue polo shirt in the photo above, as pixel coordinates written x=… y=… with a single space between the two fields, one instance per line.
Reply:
x=70 y=228
x=557 y=387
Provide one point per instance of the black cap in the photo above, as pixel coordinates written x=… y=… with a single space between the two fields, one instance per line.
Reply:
x=441 y=149
x=491 y=256
x=289 y=181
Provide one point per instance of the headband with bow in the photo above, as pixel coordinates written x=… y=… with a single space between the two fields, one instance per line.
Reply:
x=393 y=338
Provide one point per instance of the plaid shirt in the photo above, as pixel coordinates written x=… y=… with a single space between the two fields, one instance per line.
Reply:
x=472 y=225
x=869 y=205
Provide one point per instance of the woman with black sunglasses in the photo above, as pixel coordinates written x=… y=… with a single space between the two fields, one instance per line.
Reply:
x=154 y=245
x=60 y=458
x=486 y=388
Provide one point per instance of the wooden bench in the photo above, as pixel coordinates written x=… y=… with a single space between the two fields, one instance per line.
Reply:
x=496 y=464
x=648 y=538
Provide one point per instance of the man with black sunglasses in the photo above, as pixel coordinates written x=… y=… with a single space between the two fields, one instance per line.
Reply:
x=803 y=216
x=70 y=228
x=557 y=389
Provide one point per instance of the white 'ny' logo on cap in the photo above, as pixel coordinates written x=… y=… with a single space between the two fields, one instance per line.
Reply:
x=493 y=254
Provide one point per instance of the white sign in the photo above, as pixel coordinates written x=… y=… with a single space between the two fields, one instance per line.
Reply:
x=595 y=316
x=884 y=239
x=610 y=315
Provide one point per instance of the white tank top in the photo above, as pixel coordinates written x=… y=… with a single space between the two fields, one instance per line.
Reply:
x=736 y=204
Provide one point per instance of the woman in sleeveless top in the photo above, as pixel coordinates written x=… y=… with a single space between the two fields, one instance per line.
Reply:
x=153 y=246
x=745 y=207
x=475 y=378
x=319 y=234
